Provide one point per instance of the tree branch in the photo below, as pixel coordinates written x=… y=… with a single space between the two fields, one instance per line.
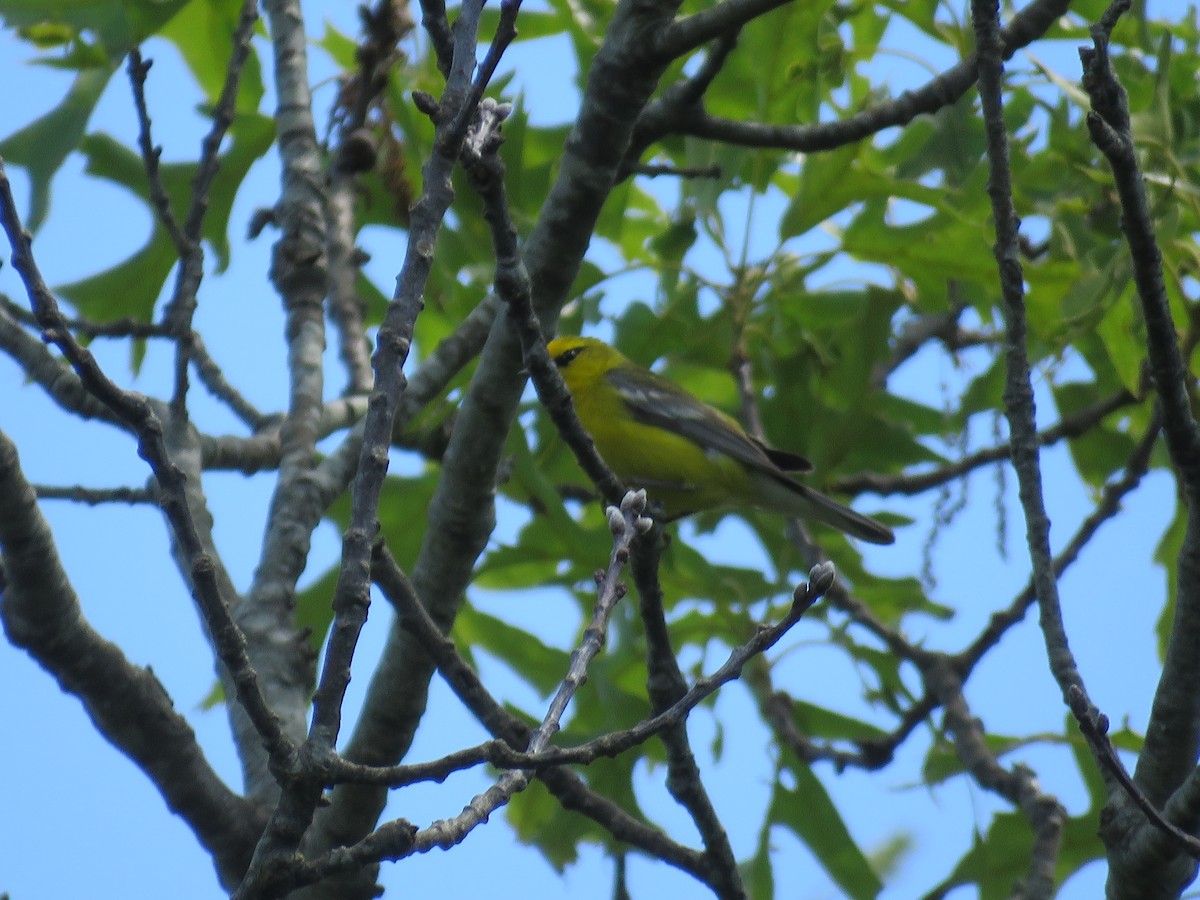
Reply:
x=1018 y=391
x=126 y=703
x=728 y=16
x=1169 y=754
x=1018 y=785
x=351 y=598
x=299 y=274
x=51 y=374
x=462 y=511
x=565 y=785
x=944 y=90
x=666 y=687
x=1069 y=426
x=138 y=416
x=383 y=27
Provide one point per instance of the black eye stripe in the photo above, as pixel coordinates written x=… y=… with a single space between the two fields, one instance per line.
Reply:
x=564 y=359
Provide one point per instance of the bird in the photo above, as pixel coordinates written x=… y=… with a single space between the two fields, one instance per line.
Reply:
x=688 y=455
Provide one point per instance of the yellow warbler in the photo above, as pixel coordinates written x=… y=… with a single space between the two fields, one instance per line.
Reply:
x=687 y=455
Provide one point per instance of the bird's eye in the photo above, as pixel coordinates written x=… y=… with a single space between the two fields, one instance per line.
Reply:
x=564 y=359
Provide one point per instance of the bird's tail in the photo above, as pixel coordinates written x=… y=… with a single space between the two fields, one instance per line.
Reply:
x=792 y=498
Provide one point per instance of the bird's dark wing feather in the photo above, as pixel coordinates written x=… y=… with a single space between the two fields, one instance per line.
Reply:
x=785 y=459
x=655 y=401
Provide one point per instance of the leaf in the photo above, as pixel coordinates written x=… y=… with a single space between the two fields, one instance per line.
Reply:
x=999 y=859
x=42 y=146
x=539 y=819
x=203 y=31
x=1103 y=450
x=825 y=723
x=118 y=24
x=943 y=763
x=542 y=666
x=758 y=873
x=132 y=287
x=808 y=812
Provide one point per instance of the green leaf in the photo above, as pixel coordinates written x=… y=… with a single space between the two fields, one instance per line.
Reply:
x=203 y=31
x=758 y=873
x=542 y=666
x=1104 y=449
x=539 y=819
x=132 y=287
x=42 y=146
x=825 y=723
x=943 y=763
x=999 y=859
x=808 y=812
x=119 y=24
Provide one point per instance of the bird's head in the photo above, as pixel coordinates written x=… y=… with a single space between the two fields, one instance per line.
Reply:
x=580 y=358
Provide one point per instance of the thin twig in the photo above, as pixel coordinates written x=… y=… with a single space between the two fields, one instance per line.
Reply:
x=1018 y=390
x=95 y=496
x=1069 y=426
x=942 y=91
x=118 y=328
x=486 y=171
x=1166 y=765
x=462 y=679
x=666 y=686
x=1094 y=726
x=159 y=197
x=625 y=524
x=135 y=412
x=213 y=378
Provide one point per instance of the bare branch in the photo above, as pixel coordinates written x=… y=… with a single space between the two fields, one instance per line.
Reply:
x=666 y=687
x=1168 y=757
x=299 y=275
x=1026 y=26
x=461 y=514
x=728 y=16
x=1018 y=785
x=351 y=597
x=566 y=786
x=1070 y=426
x=50 y=373
x=1018 y=390
x=652 y=170
x=1110 y=504
x=177 y=317
x=218 y=385
x=127 y=704
x=436 y=25
x=1094 y=726
x=137 y=69
x=383 y=26
x=95 y=496
x=486 y=171
x=136 y=413
x=119 y=328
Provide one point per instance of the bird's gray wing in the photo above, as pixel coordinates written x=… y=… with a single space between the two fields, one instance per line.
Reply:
x=653 y=400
